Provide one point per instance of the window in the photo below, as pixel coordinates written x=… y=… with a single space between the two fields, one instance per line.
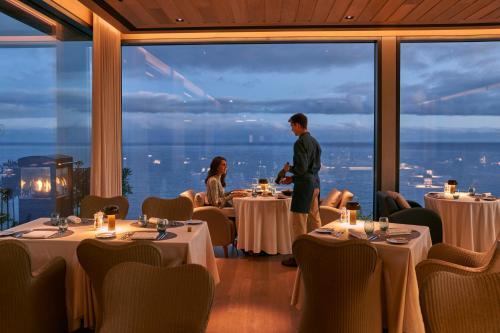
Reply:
x=185 y=104
x=450 y=116
x=45 y=112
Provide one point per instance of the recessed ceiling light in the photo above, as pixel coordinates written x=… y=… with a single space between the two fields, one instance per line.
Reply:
x=179 y=19
x=349 y=17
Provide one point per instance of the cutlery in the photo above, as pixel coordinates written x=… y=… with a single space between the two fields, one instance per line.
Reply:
x=161 y=235
x=372 y=237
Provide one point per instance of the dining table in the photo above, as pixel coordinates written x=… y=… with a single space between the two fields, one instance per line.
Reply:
x=469 y=222
x=189 y=242
x=400 y=299
x=264 y=223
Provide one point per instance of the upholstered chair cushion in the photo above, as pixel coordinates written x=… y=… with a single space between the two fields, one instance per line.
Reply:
x=188 y=194
x=332 y=199
x=200 y=199
x=346 y=197
x=400 y=200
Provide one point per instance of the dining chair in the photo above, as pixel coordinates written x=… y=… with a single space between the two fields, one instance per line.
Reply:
x=342 y=282
x=31 y=302
x=330 y=207
x=409 y=212
x=465 y=257
x=221 y=229
x=91 y=204
x=454 y=303
x=147 y=299
x=97 y=258
x=180 y=208
x=447 y=258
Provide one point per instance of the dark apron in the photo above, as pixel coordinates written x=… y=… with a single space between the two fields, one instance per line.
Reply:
x=303 y=189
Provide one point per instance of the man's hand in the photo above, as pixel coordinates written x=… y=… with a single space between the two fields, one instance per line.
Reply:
x=287 y=180
x=286 y=167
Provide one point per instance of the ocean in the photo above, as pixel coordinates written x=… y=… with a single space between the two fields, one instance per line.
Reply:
x=165 y=170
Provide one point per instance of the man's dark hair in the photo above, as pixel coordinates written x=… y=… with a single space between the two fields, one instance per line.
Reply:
x=299 y=118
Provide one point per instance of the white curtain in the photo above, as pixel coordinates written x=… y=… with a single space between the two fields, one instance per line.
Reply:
x=106 y=175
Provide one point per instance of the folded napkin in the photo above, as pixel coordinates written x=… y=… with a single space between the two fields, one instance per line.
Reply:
x=357 y=234
x=7 y=233
x=153 y=220
x=144 y=235
x=40 y=234
x=399 y=231
x=74 y=219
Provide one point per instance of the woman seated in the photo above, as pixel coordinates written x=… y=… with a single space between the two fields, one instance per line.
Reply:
x=216 y=181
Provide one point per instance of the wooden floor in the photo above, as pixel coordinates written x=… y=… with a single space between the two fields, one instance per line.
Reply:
x=253 y=296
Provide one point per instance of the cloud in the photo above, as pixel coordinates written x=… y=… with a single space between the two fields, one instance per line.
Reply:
x=277 y=57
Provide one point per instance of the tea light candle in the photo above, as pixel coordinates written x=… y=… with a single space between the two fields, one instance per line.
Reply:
x=111 y=222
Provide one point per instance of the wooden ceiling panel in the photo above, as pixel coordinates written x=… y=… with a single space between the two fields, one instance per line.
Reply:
x=354 y=10
x=289 y=10
x=167 y=15
x=305 y=11
x=338 y=11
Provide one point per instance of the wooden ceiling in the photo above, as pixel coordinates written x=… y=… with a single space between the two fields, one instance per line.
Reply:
x=165 y=15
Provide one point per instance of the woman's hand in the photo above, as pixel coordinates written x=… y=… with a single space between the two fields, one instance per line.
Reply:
x=287 y=180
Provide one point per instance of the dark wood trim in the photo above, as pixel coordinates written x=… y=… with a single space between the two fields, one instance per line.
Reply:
x=377 y=184
x=398 y=103
x=115 y=14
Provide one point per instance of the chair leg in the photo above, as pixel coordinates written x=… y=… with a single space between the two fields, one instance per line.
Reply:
x=225 y=251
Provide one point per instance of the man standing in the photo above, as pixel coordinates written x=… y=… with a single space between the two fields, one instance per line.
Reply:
x=305 y=168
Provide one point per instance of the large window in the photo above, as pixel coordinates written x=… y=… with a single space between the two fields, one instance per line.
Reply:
x=45 y=114
x=185 y=104
x=450 y=116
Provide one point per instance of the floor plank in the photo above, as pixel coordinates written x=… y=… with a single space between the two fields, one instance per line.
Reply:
x=253 y=296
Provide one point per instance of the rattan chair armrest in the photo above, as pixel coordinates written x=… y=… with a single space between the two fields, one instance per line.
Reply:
x=429 y=266
x=459 y=256
x=328 y=214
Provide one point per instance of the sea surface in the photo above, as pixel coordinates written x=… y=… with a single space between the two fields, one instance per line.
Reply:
x=165 y=170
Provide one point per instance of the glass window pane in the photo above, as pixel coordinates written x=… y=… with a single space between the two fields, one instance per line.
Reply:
x=45 y=116
x=450 y=117
x=185 y=104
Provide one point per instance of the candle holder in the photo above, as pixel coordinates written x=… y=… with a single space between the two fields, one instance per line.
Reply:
x=352 y=208
x=452 y=183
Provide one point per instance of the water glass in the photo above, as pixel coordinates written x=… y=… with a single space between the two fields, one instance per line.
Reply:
x=63 y=225
x=384 y=224
x=162 y=225
x=254 y=190
x=369 y=227
x=142 y=220
x=54 y=219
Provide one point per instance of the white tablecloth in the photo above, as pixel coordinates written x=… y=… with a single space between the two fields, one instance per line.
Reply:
x=264 y=224
x=195 y=247
x=401 y=309
x=469 y=224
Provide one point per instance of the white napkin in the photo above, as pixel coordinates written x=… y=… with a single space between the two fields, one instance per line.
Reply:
x=153 y=220
x=74 y=219
x=40 y=234
x=399 y=231
x=7 y=233
x=144 y=235
x=194 y=222
x=358 y=234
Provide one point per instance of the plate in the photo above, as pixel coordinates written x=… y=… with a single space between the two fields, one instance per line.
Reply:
x=490 y=199
x=323 y=231
x=194 y=222
x=105 y=235
x=397 y=240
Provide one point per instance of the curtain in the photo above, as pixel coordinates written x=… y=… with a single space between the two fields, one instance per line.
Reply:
x=106 y=171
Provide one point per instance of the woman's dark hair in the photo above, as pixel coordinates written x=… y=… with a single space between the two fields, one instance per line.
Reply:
x=214 y=169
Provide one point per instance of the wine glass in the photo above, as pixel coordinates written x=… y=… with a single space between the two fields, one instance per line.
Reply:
x=63 y=225
x=162 y=225
x=384 y=224
x=369 y=227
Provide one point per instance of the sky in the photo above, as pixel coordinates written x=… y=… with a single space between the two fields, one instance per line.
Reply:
x=245 y=93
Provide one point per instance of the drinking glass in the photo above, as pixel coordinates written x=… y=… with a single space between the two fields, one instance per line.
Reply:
x=63 y=225
x=162 y=225
x=142 y=220
x=369 y=227
x=255 y=188
x=54 y=219
x=384 y=224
